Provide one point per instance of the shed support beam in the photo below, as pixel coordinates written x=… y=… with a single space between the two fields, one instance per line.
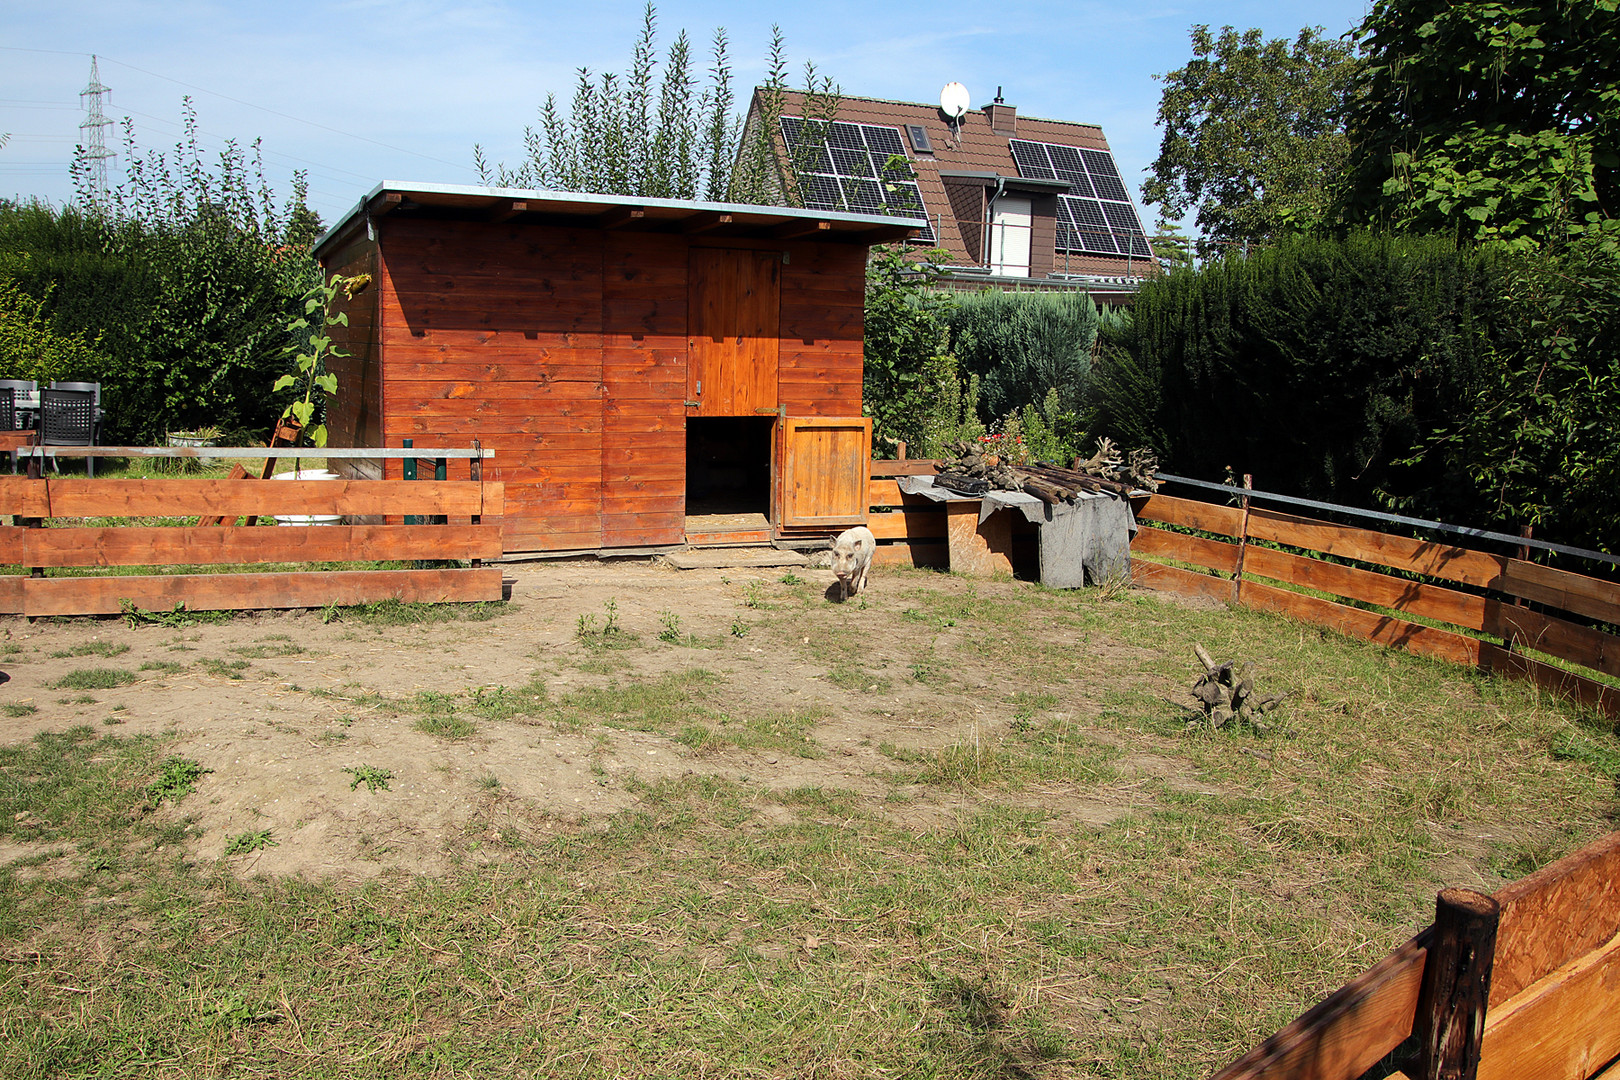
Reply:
x=790 y=230
x=702 y=223
x=509 y=211
x=621 y=216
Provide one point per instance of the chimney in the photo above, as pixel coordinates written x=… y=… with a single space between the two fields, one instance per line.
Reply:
x=1003 y=117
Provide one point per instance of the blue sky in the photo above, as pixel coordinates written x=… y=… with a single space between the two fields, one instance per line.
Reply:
x=358 y=91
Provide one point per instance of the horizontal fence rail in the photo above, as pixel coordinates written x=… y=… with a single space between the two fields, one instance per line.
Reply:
x=1489 y=620
x=252 y=452
x=1546 y=1007
x=403 y=520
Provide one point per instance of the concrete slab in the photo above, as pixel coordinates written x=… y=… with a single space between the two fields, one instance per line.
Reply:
x=728 y=558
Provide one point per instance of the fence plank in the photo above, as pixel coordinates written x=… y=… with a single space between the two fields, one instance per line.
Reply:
x=914 y=467
x=1347 y=1033
x=1561 y=1028
x=1190 y=514
x=1589 y=596
x=134 y=546
x=23 y=497
x=11 y=545
x=1561 y=683
x=1355 y=622
x=1557 y=637
x=226 y=498
x=1198 y=550
x=1173 y=579
x=11 y=594
x=1401 y=594
x=1557 y=914
x=241 y=592
x=1397 y=552
x=887 y=493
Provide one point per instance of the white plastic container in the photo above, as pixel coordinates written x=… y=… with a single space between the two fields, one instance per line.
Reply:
x=307 y=519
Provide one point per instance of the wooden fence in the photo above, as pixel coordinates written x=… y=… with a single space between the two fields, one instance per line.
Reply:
x=1495 y=601
x=1524 y=984
x=458 y=520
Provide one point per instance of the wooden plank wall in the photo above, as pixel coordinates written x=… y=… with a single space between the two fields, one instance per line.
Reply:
x=644 y=391
x=823 y=329
x=494 y=331
x=354 y=417
x=1502 y=630
x=565 y=351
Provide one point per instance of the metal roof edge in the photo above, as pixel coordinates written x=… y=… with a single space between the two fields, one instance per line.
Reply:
x=404 y=187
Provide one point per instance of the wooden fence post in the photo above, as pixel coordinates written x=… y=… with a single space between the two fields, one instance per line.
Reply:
x=1242 y=539
x=475 y=471
x=1450 y=1021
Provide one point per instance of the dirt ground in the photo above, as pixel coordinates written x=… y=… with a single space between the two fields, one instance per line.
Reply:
x=278 y=735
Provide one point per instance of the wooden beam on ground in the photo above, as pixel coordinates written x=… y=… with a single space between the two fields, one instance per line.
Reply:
x=790 y=230
x=228 y=545
x=620 y=216
x=705 y=222
x=246 y=592
x=1350 y=1030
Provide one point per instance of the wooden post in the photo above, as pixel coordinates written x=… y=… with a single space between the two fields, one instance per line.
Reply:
x=475 y=472
x=1242 y=539
x=1450 y=1021
x=407 y=471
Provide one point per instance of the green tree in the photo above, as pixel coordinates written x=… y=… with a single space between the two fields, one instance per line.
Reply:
x=1253 y=133
x=910 y=386
x=30 y=348
x=1023 y=345
x=634 y=135
x=1491 y=121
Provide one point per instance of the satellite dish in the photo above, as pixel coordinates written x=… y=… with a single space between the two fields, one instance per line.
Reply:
x=953 y=100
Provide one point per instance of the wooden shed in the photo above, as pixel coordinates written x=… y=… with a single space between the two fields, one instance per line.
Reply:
x=643 y=369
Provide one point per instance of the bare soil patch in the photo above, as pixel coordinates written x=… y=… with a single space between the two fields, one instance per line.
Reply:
x=279 y=705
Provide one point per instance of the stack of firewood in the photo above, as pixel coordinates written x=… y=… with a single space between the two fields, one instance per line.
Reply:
x=976 y=469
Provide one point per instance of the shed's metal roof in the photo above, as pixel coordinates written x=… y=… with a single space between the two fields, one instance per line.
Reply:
x=472 y=203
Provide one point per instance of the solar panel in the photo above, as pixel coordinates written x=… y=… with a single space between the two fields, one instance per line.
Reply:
x=1097 y=216
x=860 y=168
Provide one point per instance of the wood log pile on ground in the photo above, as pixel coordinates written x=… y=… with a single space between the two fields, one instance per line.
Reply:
x=1227 y=693
x=976 y=469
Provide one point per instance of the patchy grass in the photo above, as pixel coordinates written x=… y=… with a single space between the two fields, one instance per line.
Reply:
x=953 y=913
x=94 y=679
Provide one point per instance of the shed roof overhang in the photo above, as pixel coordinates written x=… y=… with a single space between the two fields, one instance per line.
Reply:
x=457 y=202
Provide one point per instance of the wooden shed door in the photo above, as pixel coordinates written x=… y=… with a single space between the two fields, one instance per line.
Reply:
x=734 y=309
x=823 y=469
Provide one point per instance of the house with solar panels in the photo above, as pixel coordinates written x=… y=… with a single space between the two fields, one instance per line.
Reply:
x=1016 y=201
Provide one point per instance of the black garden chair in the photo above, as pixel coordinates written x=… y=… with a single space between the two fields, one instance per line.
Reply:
x=68 y=418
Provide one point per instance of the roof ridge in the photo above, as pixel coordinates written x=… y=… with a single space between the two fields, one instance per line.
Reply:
x=925 y=105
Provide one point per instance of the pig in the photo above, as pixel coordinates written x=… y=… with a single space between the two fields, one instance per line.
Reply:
x=852 y=557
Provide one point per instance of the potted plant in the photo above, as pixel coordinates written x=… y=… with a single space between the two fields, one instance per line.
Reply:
x=196 y=437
